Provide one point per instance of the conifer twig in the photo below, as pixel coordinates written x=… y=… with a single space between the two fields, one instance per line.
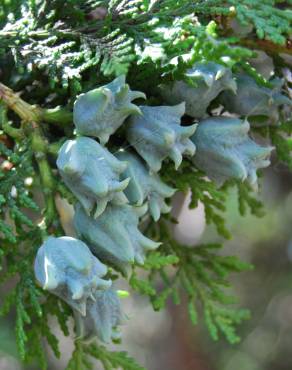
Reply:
x=33 y=115
x=27 y=112
x=267 y=46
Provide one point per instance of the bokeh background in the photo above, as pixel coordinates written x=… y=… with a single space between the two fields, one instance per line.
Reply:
x=166 y=340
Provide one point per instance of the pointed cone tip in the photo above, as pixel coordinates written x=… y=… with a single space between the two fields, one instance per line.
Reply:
x=176 y=156
x=137 y=95
x=165 y=208
x=121 y=185
x=220 y=73
x=139 y=259
x=154 y=210
x=103 y=138
x=208 y=80
x=141 y=211
x=134 y=109
x=232 y=85
x=100 y=208
x=81 y=308
x=181 y=108
x=125 y=183
x=92 y=297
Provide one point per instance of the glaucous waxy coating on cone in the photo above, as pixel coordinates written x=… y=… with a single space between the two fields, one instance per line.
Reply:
x=114 y=236
x=225 y=151
x=66 y=267
x=145 y=185
x=158 y=134
x=103 y=317
x=254 y=100
x=100 y=112
x=209 y=78
x=92 y=173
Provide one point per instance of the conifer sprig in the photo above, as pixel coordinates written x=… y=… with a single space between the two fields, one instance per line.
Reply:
x=200 y=273
x=51 y=51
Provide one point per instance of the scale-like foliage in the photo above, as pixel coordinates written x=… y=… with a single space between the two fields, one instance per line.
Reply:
x=202 y=273
x=16 y=171
x=50 y=38
x=269 y=20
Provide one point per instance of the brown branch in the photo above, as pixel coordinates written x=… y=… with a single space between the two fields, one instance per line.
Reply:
x=268 y=46
x=33 y=113
x=27 y=112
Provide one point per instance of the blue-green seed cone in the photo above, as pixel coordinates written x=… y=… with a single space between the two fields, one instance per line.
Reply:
x=103 y=318
x=157 y=134
x=253 y=100
x=225 y=151
x=145 y=185
x=100 y=112
x=114 y=236
x=66 y=267
x=92 y=173
x=209 y=80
